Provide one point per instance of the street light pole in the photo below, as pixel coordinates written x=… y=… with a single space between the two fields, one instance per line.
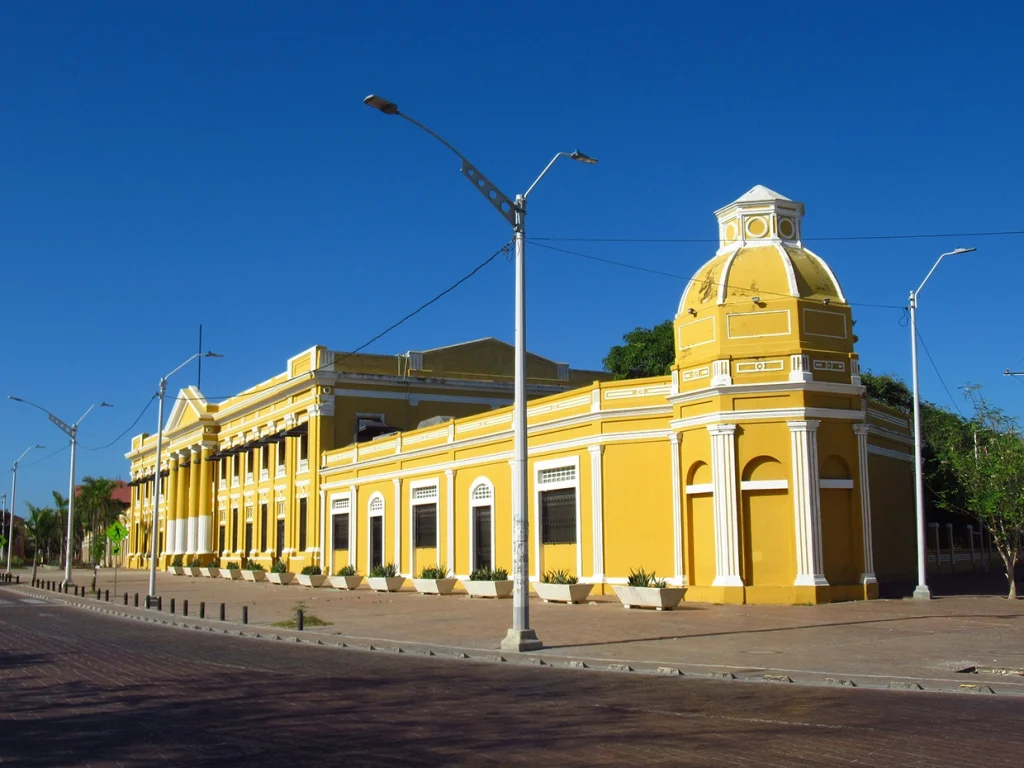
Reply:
x=14 y=490
x=921 y=591
x=71 y=430
x=154 y=527
x=520 y=637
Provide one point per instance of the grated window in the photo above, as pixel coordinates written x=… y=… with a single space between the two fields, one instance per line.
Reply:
x=376 y=505
x=340 y=505
x=557 y=475
x=482 y=492
x=424 y=493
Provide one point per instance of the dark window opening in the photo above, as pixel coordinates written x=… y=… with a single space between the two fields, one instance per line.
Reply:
x=558 y=516
x=340 y=530
x=263 y=527
x=426 y=525
x=302 y=525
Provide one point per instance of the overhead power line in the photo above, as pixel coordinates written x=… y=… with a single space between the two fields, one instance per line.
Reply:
x=662 y=273
x=806 y=239
x=126 y=431
x=936 y=369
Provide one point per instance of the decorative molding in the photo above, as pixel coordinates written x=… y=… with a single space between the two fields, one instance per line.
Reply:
x=800 y=369
x=723 y=475
x=829 y=365
x=721 y=376
x=774 y=414
x=621 y=394
x=695 y=374
x=807 y=504
x=699 y=489
x=764 y=485
x=760 y=366
x=874 y=449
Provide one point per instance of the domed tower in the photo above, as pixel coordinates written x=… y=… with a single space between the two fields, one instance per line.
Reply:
x=765 y=308
x=770 y=417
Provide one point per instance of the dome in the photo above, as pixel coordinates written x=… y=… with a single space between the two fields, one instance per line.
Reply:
x=761 y=253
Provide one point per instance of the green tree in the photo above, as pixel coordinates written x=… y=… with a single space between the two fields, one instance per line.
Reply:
x=986 y=456
x=646 y=352
x=94 y=511
x=42 y=529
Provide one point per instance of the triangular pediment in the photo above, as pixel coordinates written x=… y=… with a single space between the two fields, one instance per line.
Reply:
x=189 y=407
x=484 y=358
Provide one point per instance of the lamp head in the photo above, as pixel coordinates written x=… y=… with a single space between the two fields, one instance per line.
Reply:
x=12 y=397
x=756 y=299
x=958 y=251
x=105 y=405
x=382 y=104
x=212 y=354
x=38 y=446
x=577 y=155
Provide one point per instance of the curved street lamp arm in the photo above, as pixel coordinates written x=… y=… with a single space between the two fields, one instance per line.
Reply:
x=89 y=410
x=546 y=169
x=23 y=453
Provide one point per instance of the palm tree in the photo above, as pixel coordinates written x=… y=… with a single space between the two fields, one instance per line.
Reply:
x=41 y=527
x=95 y=511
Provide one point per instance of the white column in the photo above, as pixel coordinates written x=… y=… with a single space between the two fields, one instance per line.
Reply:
x=325 y=567
x=677 y=510
x=181 y=506
x=397 y=527
x=450 y=521
x=597 y=509
x=192 y=532
x=868 y=576
x=723 y=476
x=353 y=528
x=810 y=570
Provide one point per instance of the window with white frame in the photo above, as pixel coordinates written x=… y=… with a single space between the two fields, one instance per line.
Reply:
x=557 y=492
x=281 y=454
x=340 y=509
x=424 y=513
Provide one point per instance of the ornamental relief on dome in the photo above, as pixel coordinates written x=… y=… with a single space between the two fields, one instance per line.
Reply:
x=708 y=284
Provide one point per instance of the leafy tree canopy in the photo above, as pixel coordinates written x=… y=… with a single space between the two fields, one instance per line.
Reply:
x=646 y=352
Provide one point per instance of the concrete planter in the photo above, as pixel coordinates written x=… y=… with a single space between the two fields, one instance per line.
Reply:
x=280 y=578
x=176 y=570
x=254 y=575
x=434 y=586
x=311 y=580
x=385 y=583
x=192 y=571
x=230 y=573
x=210 y=572
x=563 y=593
x=495 y=589
x=346 y=582
x=650 y=597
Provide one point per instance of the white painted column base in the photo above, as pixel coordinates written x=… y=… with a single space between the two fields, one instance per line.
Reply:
x=868 y=578
x=191 y=537
x=171 y=537
x=204 y=528
x=810 y=580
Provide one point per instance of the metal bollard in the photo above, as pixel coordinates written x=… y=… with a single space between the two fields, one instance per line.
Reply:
x=99 y=595
x=184 y=607
x=202 y=610
x=65 y=588
x=17 y=579
x=172 y=606
x=125 y=599
x=298 y=619
x=159 y=602
x=147 y=602
x=136 y=599
x=106 y=595
x=245 y=614
x=222 y=611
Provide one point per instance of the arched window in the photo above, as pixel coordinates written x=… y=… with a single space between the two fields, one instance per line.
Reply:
x=481 y=524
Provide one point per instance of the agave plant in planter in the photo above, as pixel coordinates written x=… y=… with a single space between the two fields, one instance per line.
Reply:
x=192 y=569
x=385 y=578
x=560 y=587
x=646 y=590
x=279 y=573
x=177 y=566
x=253 y=571
x=346 y=578
x=211 y=570
x=312 y=576
x=233 y=571
x=435 y=580
x=483 y=582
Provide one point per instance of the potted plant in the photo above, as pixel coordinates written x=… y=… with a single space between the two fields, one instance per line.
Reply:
x=177 y=566
x=346 y=578
x=435 y=580
x=231 y=572
x=211 y=570
x=192 y=569
x=253 y=571
x=385 y=578
x=312 y=576
x=560 y=587
x=645 y=590
x=483 y=582
x=279 y=573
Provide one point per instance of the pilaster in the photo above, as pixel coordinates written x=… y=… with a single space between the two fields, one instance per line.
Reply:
x=868 y=576
x=674 y=440
x=597 y=507
x=807 y=504
x=194 y=484
x=800 y=368
x=397 y=516
x=723 y=476
x=721 y=373
x=449 y=525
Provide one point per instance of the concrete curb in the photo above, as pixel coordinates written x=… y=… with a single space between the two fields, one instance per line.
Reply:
x=534 y=659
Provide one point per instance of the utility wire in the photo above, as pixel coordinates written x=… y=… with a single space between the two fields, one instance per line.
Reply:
x=504 y=249
x=130 y=427
x=941 y=380
x=638 y=268
x=49 y=455
x=807 y=239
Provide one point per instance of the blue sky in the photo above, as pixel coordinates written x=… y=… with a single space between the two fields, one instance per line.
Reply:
x=163 y=166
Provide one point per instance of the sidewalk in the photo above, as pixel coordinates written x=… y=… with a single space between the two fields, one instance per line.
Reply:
x=881 y=643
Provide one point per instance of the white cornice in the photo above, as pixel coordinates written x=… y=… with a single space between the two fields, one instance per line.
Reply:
x=767 y=414
x=833 y=388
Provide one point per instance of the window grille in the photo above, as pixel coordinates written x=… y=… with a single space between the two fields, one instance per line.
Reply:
x=425 y=516
x=340 y=530
x=558 y=516
x=376 y=505
x=340 y=505
x=482 y=492
x=557 y=475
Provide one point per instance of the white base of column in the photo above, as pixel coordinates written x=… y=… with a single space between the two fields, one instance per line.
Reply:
x=921 y=592
x=810 y=581
x=203 y=530
x=868 y=578
x=727 y=581
x=171 y=538
x=678 y=581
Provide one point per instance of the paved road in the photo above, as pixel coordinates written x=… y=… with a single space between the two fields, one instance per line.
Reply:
x=80 y=688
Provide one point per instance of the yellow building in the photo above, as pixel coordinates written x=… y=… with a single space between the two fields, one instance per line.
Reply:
x=757 y=472
x=239 y=478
